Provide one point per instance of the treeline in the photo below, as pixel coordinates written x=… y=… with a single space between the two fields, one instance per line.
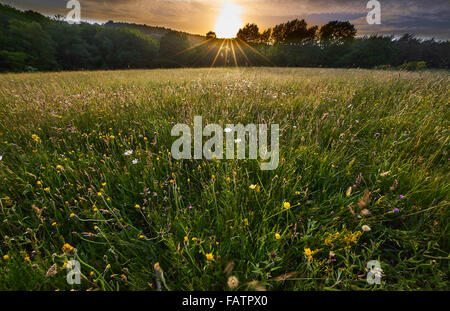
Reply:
x=335 y=45
x=30 y=41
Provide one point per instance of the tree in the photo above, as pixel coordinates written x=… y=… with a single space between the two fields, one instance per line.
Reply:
x=174 y=47
x=294 y=32
x=266 y=35
x=211 y=35
x=249 y=33
x=336 y=32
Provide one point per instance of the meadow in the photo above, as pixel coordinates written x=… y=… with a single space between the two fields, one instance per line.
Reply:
x=86 y=173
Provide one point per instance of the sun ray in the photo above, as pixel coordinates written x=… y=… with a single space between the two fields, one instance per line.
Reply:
x=217 y=54
x=234 y=53
x=243 y=53
x=194 y=46
x=256 y=51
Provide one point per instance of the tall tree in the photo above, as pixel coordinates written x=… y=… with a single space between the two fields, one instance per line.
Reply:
x=249 y=33
x=336 y=32
x=211 y=35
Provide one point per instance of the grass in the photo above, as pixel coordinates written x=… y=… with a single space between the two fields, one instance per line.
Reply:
x=354 y=146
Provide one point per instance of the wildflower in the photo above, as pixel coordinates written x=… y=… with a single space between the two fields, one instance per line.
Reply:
x=137 y=206
x=91 y=273
x=401 y=196
x=141 y=237
x=277 y=236
x=99 y=194
x=1 y=157
x=287 y=205
x=209 y=257
x=186 y=239
x=365 y=212
x=6 y=257
x=128 y=152
x=190 y=207
x=366 y=228
x=47 y=189
x=27 y=258
x=67 y=248
x=348 y=192
x=227 y=130
x=395 y=210
x=52 y=270
x=377 y=134
x=253 y=187
x=35 y=137
x=59 y=167
x=71 y=215
x=104 y=184
x=309 y=253
x=135 y=161
x=38 y=183
x=233 y=282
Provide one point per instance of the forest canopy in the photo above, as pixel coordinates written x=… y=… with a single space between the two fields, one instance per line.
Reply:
x=30 y=41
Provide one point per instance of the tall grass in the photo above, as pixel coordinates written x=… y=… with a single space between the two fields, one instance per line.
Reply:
x=357 y=148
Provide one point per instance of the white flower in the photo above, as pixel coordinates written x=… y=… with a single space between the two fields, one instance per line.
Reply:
x=1 y=157
x=128 y=152
x=238 y=140
x=366 y=228
x=135 y=161
x=227 y=130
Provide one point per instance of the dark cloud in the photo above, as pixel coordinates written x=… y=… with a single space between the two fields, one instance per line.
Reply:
x=423 y=18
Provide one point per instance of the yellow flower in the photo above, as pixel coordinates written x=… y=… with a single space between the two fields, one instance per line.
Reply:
x=91 y=273
x=27 y=258
x=35 y=137
x=186 y=238
x=39 y=182
x=99 y=194
x=137 y=206
x=277 y=236
x=209 y=257
x=47 y=189
x=287 y=205
x=5 y=257
x=141 y=236
x=59 y=167
x=71 y=215
x=309 y=253
x=253 y=187
x=67 y=248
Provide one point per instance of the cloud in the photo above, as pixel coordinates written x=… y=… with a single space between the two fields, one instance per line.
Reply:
x=426 y=18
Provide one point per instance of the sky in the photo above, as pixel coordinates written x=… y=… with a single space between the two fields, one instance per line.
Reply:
x=424 y=18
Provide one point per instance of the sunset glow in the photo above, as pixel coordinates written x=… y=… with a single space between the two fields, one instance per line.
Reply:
x=229 y=21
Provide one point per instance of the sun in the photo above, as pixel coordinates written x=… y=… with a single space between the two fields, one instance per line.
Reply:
x=229 y=21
